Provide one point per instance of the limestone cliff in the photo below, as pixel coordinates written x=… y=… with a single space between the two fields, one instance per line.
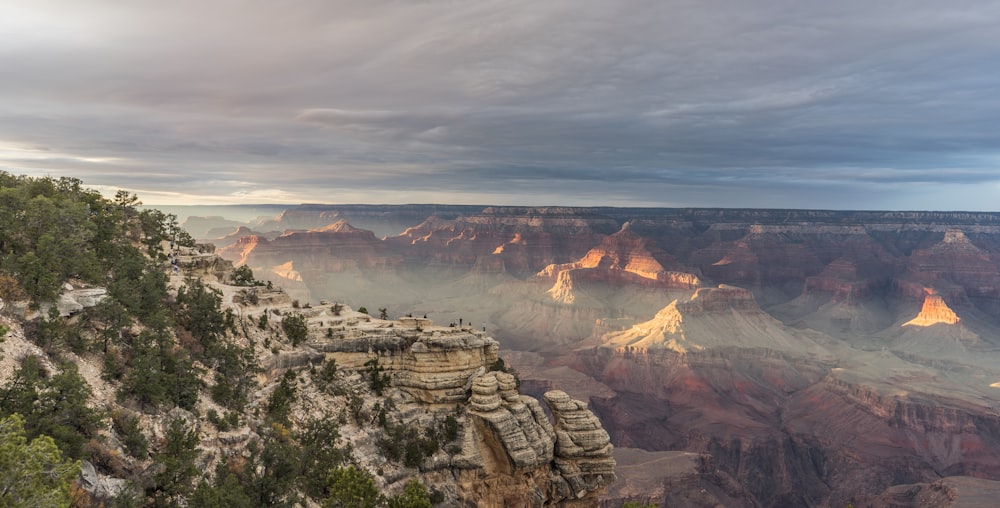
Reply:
x=510 y=453
x=954 y=267
x=621 y=259
x=554 y=235
x=934 y=311
x=726 y=316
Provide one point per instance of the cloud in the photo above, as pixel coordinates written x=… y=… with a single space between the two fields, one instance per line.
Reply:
x=675 y=102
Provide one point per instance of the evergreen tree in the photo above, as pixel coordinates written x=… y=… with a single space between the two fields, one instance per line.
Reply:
x=32 y=474
x=351 y=487
x=295 y=328
x=414 y=495
x=55 y=406
x=176 y=460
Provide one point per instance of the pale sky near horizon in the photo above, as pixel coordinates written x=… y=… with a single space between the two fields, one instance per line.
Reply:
x=756 y=103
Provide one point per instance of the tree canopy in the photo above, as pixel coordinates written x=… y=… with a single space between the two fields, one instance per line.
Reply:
x=32 y=474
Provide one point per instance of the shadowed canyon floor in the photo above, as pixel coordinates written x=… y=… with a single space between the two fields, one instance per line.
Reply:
x=736 y=357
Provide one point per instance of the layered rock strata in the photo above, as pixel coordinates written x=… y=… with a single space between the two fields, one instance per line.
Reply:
x=516 y=438
x=623 y=258
x=511 y=453
x=434 y=366
x=934 y=311
x=583 y=448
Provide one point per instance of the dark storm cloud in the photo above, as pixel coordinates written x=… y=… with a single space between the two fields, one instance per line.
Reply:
x=762 y=103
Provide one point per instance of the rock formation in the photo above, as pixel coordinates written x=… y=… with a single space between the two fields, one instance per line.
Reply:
x=583 y=447
x=515 y=438
x=623 y=258
x=509 y=443
x=434 y=366
x=934 y=311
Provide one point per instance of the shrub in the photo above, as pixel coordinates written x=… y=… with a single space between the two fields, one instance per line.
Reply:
x=134 y=441
x=350 y=486
x=279 y=405
x=34 y=472
x=243 y=276
x=377 y=379
x=295 y=328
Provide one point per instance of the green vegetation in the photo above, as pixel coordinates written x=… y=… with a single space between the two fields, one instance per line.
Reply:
x=227 y=491
x=405 y=443
x=32 y=474
x=377 y=378
x=203 y=331
x=295 y=328
x=354 y=488
x=414 y=496
x=160 y=373
x=409 y=445
x=279 y=405
x=243 y=276
x=325 y=377
x=176 y=462
x=127 y=426
x=160 y=346
x=320 y=454
x=51 y=405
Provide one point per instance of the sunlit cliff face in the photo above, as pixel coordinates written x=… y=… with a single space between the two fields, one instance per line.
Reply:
x=934 y=311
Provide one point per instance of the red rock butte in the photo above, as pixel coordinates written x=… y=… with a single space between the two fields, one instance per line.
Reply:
x=934 y=311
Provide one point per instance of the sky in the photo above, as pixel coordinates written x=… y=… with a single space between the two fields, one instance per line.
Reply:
x=885 y=105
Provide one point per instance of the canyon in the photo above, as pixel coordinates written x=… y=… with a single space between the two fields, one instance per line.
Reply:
x=735 y=357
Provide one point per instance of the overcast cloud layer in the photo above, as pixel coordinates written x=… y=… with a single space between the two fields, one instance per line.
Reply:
x=764 y=103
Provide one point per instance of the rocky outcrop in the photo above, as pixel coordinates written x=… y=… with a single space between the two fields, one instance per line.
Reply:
x=849 y=280
x=719 y=299
x=555 y=235
x=382 y=220
x=623 y=258
x=73 y=300
x=583 y=448
x=761 y=258
x=227 y=238
x=711 y=318
x=953 y=491
x=514 y=422
x=280 y=362
x=336 y=247
x=955 y=267
x=97 y=485
x=199 y=227
x=239 y=251
x=515 y=438
x=934 y=311
x=518 y=455
x=202 y=261
x=434 y=365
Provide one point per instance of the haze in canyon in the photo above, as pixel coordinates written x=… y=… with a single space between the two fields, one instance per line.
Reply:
x=746 y=357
